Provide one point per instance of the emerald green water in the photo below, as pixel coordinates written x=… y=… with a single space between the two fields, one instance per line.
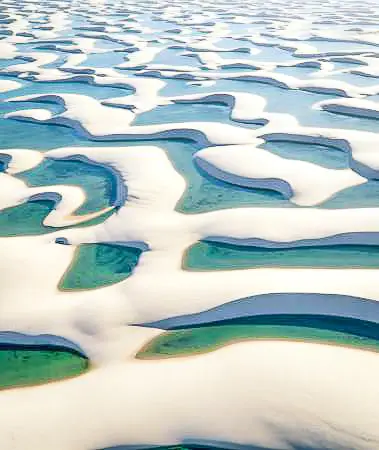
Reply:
x=96 y=181
x=97 y=265
x=27 y=219
x=21 y=366
x=217 y=256
x=208 y=338
x=15 y=134
x=203 y=193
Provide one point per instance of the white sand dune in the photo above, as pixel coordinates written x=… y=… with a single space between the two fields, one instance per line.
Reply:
x=294 y=395
x=248 y=59
x=306 y=184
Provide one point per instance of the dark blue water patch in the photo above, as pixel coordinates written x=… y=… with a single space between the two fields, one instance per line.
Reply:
x=342 y=324
x=351 y=238
x=294 y=304
x=14 y=339
x=4 y=161
x=355 y=327
x=23 y=365
x=208 y=255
